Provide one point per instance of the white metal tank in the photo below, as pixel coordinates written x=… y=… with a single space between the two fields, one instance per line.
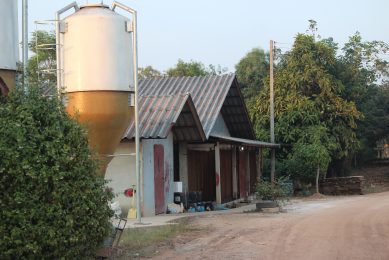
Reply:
x=96 y=72
x=97 y=51
x=8 y=44
x=8 y=34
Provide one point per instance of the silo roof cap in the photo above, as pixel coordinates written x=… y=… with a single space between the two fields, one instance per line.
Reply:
x=94 y=5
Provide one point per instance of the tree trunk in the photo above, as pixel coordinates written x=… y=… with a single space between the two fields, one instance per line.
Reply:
x=317 y=178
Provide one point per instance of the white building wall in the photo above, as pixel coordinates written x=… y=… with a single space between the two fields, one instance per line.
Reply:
x=121 y=175
x=220 y=127
x=148 y=171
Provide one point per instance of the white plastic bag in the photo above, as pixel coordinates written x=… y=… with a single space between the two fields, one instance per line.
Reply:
x=117 y=210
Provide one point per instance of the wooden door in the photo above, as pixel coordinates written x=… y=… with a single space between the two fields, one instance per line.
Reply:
x=159 y=179
x=201 y=173
x=226 y=175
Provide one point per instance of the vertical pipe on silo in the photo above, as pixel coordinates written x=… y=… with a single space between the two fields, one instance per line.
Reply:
x=25 y=42
x=137 y=135
x=58 y=42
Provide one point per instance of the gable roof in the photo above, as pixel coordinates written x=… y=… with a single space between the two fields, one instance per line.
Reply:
x=211 y=96
x=163 y=113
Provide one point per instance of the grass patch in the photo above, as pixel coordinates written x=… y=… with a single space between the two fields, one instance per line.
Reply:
x=145 y=241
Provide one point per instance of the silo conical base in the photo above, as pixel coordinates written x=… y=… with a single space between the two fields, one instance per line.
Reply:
x=106 y=115
x=8 y=77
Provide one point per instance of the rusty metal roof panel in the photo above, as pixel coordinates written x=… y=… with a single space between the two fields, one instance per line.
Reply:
x=160 y=113
x=208 y=93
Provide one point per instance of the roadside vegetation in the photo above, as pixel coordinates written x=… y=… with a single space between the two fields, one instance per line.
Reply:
x=52 y=204
x=329 y=103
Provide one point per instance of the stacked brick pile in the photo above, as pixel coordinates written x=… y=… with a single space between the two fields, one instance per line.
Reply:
x=342 y=185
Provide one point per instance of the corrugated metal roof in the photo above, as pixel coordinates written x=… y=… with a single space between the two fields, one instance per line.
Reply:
x=209 y=93
x=160 y=113
x=246 y=141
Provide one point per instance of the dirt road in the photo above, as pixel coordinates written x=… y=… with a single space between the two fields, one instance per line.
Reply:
x=336 y=228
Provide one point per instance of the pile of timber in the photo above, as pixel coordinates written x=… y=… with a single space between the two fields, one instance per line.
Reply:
x=342 y=185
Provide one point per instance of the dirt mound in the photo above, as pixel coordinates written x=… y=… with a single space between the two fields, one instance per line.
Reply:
x=316 y=196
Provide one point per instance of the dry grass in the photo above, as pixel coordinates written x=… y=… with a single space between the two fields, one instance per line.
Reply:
x=145 y=241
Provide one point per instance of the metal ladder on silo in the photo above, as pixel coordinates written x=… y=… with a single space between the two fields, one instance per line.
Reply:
x=51 y=70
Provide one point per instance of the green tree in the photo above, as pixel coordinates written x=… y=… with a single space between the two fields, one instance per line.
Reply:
x=251 y=71
x=376 y=123
x=52 y=204
x=148 y=72
x=216 y=70
x=308 y=93
x=194 y=68
x=191 y=68
x=310 y=155
x=364 y=71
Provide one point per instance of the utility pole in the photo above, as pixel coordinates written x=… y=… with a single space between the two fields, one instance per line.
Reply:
x=272 y=139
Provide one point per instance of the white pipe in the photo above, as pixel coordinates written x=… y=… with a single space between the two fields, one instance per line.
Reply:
x=58 y=42
x=137 y=138
x=121 y=154
x=25 y=42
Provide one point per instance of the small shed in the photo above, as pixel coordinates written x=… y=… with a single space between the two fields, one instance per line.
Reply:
x=194 y=130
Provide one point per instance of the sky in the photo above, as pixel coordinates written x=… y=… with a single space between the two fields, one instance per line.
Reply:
x=221 y=32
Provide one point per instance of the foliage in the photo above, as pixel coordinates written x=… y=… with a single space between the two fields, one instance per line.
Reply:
x=148 y=72
x=376 y=124
x=308 y=94
x=194 y=68
x=310 y=153
x=365 y=73
x=269 y=191
x=52 y=204
x=216 y=70
x=364 y=62
x=251 y=71
x=42 y=64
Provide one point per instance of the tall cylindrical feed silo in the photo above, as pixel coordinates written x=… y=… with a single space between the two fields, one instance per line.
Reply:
x=8 y=41
x=97 y=74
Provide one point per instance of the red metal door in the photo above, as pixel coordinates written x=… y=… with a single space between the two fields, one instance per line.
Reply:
x=159 y=179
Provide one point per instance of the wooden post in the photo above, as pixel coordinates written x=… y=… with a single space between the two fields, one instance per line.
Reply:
x=258 y=164
x=217 y=174
x=234 y=173
x=183 y=165
x=272 y=139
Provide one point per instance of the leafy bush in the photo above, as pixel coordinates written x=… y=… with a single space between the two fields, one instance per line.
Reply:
x=311 y=155
x=269 y=191
x=52 y=204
